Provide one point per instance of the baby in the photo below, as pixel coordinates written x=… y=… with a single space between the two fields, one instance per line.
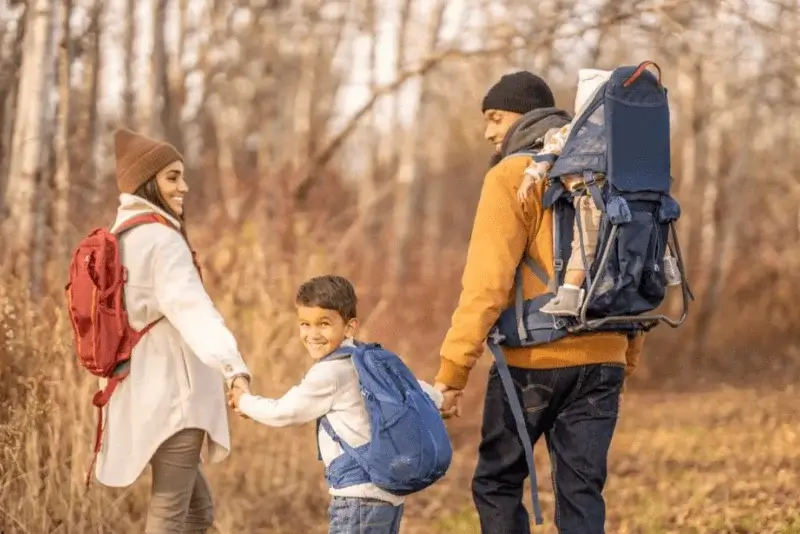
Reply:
x=569 y=296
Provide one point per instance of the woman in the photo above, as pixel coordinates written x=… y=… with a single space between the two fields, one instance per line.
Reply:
x=173 y=400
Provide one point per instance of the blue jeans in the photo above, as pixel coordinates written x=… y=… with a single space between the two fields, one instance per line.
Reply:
x=351 y=515
x=575 y=409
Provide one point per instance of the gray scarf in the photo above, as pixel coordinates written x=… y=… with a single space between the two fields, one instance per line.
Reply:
x=528 y=132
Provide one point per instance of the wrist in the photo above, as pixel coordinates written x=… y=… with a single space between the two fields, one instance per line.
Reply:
x=452 y=375
x=239 y=377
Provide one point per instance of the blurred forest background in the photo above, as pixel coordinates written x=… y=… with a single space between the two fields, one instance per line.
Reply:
x=345 y=136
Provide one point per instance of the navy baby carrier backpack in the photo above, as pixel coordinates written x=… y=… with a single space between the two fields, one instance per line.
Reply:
x=624 y=134
x=409 y=447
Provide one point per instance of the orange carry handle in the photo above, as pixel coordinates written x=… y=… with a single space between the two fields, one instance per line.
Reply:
x=638 y=72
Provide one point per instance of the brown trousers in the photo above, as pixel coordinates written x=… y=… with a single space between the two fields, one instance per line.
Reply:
x=180 y=500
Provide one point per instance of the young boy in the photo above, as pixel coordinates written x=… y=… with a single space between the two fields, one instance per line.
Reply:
x=326 y=313
x=569 y=296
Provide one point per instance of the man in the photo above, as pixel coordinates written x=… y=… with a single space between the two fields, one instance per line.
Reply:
x=569 y=389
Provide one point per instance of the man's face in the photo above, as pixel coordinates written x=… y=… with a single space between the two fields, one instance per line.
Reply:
x=497 y=124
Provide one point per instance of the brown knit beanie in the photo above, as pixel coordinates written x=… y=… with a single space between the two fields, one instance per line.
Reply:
x=139 y=158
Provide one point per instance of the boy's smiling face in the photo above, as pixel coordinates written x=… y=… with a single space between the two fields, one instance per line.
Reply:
x=322 y=330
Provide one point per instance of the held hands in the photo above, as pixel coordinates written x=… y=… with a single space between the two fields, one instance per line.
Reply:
x=239 y=386
x=451 y=406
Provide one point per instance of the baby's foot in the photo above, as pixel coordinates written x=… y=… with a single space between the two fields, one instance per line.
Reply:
x=566 y=303
x=671 y=271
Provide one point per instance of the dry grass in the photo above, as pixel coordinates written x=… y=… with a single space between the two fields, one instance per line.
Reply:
x=725 y=461
x=720 y=461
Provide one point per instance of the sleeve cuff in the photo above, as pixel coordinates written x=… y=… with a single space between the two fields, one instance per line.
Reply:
x=246 y=404
x=452 y=375
x=231 y=373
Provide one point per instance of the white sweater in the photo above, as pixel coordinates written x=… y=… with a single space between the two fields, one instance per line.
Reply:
x=177 y=369
x=329 y=388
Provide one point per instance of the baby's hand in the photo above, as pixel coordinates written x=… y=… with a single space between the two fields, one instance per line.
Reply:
x=525 y=188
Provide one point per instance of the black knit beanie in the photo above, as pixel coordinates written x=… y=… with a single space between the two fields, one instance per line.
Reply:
x=519 y=92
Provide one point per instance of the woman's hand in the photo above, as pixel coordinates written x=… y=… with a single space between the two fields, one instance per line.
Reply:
x=241 y=382
x=239 y=386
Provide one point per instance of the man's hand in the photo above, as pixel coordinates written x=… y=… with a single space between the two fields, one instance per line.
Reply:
x=451 y=406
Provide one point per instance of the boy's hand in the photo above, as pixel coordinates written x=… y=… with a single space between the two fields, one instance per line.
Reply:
x=234 y=395
x=451 y=406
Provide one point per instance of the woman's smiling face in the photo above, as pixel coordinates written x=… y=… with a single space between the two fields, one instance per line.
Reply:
x=172 y=186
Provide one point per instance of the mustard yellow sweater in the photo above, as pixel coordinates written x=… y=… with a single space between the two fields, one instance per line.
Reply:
x=502 y=229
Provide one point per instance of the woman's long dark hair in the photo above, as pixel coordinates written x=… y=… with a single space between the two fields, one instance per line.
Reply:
x=150 y=192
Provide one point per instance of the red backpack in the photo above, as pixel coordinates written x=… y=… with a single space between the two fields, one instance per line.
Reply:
x=103 y=337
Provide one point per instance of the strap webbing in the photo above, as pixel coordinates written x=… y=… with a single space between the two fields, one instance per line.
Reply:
x=536 y=269
x=519 y=302
x=594 y=190
x=586 y=266
x=522 y=428
x=558 y=260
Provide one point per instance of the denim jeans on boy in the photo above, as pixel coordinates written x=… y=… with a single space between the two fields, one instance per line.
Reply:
x=575 y=408
x=349 y=515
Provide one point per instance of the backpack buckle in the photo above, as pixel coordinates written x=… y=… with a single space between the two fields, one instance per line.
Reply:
x=558 y=264
x=496 y=336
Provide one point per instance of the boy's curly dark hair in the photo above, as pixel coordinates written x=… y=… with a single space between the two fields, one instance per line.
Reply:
x=329 y=292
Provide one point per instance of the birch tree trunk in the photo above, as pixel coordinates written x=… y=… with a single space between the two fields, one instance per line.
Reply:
x=18 y=229
x=160 y=99
x=9 y=88
x=128 y=92
x=62 y=175
x=368 y=186
x=411 y=148
x=147 y=75
x=176 y=86
x=436 y=156
x=93 y=86
x=42 y=242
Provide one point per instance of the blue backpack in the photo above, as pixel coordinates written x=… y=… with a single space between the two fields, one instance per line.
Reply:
x=409 y=447
x=623 y=133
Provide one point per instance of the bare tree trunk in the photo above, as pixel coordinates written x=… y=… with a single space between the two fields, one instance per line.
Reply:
x=62 y=179
x=226 y=123
x=303 y=104
x=160 y=112
x=18 y=229
x=367 y=190
x=148 y=75
x=42 y=234
x=128 y=93
x=688 y=100
x=9 y=89
x=711 y=240
x=93 y=87
x=412 y=146
x=436 y=155
x=176 y=86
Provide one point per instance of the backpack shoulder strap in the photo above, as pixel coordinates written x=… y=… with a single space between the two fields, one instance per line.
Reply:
x=528 y=153
x=341 y=353
x=519 y=420
x=144 y=218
